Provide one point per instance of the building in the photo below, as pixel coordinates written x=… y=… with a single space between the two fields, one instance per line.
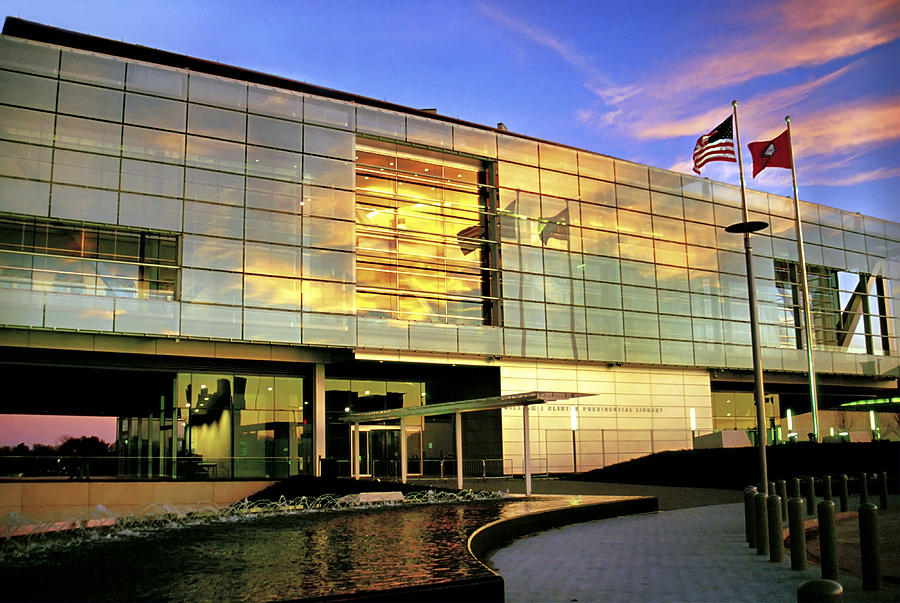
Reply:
x=230 y=263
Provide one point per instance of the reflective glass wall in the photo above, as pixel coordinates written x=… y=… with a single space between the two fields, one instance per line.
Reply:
x=532 y=251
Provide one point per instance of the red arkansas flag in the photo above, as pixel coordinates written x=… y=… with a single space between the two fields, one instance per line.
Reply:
x=771 y=153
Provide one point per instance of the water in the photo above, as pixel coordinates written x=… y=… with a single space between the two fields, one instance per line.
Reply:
x=261 y=559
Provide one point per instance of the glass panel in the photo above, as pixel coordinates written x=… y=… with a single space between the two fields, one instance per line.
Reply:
x=632 y=173
x=520 y=150
x=328 y=265
x=217 y=123
x=328 y=172
x=24 y=196
x=280 y=103
x=326 y=329
x=151 y=144
x=560 y=185
x=78 y=312
x=325 y=141
x=639 y=298
x=27 y=90
x=477 y=142
x=512 y=175
x=87 y=134
x=558 y=158
x=272 y=227
x=155 y=112
x=210 y=287
x=672 y=277
x=632 y=198
x=215 y=187
x=152 y=178
x=674 y=302
x=602 y=295
x=276 y=260
x=215 y=154
x=271 y=325
x=269 y=132
x=330 y=234
x=150 y=212
x=26 y=125
x=272 y=195
x=272 y=292
x=666 y=181
x=320 y=296
x=26 y=56
x=92 y=68
x=329 y=113
x=210 y=321
x=147 y=316
x=156 y=80
x=218 y=91
x=25 y=161
x=208 y=252
x=380 y=122
x=726 y=194
x=675 y=327
x=207 y=218
x=640 y=325
x=272 y=163
x=79 y=203
x=638 y=273
x=328 y=202
x=429 y=131
x=596 y=166
x=89 y=101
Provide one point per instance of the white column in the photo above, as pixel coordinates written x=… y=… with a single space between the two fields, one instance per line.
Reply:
x=527 y=442
x=459 y=452
x=404 y=453
x=354 y=450
x=318 y=419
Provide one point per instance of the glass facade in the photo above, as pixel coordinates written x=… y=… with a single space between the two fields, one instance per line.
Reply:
x=143 y=199
x=297 y=219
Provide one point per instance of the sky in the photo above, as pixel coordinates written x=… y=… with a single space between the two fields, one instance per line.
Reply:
x=638 y=80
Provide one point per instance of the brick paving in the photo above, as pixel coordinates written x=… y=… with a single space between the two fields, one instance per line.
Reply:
x=684 y=554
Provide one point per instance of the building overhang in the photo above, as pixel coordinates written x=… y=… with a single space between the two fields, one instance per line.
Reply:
x=445 y=408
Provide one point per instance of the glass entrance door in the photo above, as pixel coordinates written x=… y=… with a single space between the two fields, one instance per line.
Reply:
x=379 y=450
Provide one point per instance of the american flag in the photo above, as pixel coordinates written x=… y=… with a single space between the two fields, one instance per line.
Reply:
x=717 y=145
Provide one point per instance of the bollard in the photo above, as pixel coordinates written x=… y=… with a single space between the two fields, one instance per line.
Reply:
x=761 y=523
x=825 y=591
x=884 y=490
x=827 y=540
x=870 y=555
x=863 y=488
x=798 y=533
x=795 y=488
x=776 y=531
x=810 y=495
x=843 y=492
x=826 y=483
x=749 y=493
x=781 y=491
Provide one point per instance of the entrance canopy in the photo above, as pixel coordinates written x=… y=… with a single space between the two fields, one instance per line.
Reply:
x=457 y=408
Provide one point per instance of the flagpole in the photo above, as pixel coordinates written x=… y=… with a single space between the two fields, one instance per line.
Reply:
x=804 y=287
x=758 y=393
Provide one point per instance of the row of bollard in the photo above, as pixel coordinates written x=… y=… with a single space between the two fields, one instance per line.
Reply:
x=763 y=522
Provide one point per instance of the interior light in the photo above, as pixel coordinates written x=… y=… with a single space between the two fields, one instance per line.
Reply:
x=346 y=409
x=832 y=430
x=693 y=420
x=872 y=419
x=202 y=387
x=790 y=420
x=269 y=388
x=573 y=416
x=366 y=393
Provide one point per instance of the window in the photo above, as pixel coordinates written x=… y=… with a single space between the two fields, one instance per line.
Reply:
x=44 y=255
x=850 y=311
x=423 y=235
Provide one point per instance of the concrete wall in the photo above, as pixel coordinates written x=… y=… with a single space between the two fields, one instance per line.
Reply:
x=45 y=501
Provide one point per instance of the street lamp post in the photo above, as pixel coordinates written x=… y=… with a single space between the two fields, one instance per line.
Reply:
x=746 y=227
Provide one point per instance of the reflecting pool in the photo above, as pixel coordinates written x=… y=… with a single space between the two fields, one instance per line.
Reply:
x=264 y=559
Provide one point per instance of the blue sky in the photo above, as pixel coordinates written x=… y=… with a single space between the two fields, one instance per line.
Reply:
x=638 y=80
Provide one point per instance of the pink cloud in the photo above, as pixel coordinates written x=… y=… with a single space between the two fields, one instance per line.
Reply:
x=53 y=429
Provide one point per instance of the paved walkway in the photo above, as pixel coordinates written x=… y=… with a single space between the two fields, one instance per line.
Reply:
x=693 y=554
